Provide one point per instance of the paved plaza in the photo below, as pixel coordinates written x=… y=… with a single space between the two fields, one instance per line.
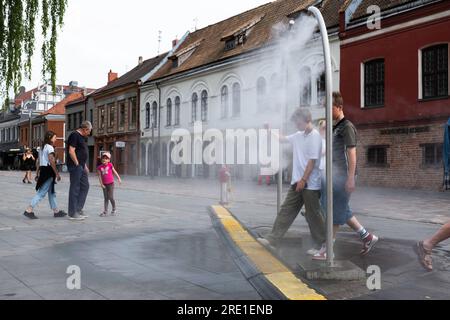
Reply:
x=162 y=244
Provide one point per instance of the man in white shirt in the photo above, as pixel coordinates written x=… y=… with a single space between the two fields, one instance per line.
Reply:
x=305 y=183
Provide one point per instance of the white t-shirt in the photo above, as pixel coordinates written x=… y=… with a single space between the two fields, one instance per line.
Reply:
x=305 y=148
x=43 y=155
x=323 y=159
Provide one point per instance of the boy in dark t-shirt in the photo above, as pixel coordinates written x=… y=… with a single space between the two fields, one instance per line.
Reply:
x=344 y=175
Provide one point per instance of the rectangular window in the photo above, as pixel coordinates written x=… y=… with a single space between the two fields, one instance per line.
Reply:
x=122 y=115
x=133 y=113
x=102 y=118
x=377 y=156
x=435 y=72
x=374 y=83
x=112 y=115
x=432 y=154
x=81 y=119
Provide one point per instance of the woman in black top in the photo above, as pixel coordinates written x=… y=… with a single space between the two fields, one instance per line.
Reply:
x=28 y=164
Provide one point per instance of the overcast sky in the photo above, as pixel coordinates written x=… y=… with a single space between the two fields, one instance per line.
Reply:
x=99 y=35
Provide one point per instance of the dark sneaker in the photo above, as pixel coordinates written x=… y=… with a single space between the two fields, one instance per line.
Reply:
x=60 y=214
x=76 y=217
x=30 y=215
x=368 y=244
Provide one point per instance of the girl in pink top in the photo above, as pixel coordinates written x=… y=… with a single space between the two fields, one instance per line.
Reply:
x=105 y=173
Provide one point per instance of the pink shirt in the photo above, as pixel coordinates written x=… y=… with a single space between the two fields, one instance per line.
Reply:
x=107 y=173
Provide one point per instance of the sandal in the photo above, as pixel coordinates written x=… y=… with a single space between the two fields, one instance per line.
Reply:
x=424 y=256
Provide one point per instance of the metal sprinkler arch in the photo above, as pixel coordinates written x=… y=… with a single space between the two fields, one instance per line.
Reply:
x=329 y=132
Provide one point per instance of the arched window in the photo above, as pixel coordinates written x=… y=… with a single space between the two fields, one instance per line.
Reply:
x=154 y=114
x=177 y=110
x=224 y=102
x=435 y=73
x=169 y=112
x=261 y=92
x=204 y=105
x=305 y=87
x=275 y=89
x=147 y=115
x=321 y=89
x=236 y=99
x=194 y=107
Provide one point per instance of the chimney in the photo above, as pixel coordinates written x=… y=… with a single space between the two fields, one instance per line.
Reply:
x=140 y=61
x=174 y=42
x=112 y=76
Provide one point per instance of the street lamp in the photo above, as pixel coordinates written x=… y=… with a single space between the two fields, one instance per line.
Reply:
x=329 y=135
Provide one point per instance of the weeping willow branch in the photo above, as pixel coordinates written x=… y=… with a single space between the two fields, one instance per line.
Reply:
x=17 y=39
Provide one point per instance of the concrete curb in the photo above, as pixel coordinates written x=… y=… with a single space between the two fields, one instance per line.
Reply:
x=270 y=277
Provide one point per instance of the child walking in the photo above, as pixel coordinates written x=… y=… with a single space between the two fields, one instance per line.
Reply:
x=105 y=173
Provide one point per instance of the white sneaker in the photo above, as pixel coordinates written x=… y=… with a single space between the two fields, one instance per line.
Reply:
x=266 y=243
x=312 y=252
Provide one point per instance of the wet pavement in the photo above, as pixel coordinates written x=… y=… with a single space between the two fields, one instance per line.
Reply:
x=159 y=247
x=163 y=246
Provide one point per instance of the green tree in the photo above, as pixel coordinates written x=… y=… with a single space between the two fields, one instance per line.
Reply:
x=17 y=39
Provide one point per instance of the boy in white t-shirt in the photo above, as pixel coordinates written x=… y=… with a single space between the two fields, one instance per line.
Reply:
x=305 y=183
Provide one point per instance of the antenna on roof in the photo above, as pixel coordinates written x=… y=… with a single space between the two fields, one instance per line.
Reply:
x=195 y=24
x=159 y=41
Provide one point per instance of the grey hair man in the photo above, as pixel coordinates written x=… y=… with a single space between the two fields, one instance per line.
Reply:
x=77 y=157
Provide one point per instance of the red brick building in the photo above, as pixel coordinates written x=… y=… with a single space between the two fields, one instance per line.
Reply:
x=394 y=81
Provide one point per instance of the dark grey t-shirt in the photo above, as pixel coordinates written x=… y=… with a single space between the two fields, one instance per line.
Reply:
x=344 y=136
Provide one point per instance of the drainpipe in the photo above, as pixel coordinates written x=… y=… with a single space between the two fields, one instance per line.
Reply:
x=159 y=130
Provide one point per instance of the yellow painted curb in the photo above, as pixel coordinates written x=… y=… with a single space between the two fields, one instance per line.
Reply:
x=273 y=269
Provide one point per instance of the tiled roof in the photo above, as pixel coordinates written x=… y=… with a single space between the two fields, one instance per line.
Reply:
x=82 y=98
x=133 y=75
x=60 y=107
x=211 y=39
x=24 y=97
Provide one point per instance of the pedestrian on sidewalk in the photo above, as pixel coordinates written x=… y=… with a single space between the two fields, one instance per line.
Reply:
x=105 y=173
x=225 y=184
x=305 y=183
x=46 y=177
x=77 y=156
x=424 y=248
x=28 y=164
x=344 y=176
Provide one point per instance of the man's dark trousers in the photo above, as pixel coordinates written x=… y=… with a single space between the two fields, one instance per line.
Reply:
x=79 y=188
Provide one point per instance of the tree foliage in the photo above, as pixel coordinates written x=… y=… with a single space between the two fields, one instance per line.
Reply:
x=17 y=39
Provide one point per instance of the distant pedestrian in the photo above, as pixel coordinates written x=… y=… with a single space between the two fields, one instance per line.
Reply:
x=105 y=173
x=424 y=248
x=28 y=161
x=225 y=187
x=77 y=156
x=46 y=177
x=344 y=176
x=305 y=184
